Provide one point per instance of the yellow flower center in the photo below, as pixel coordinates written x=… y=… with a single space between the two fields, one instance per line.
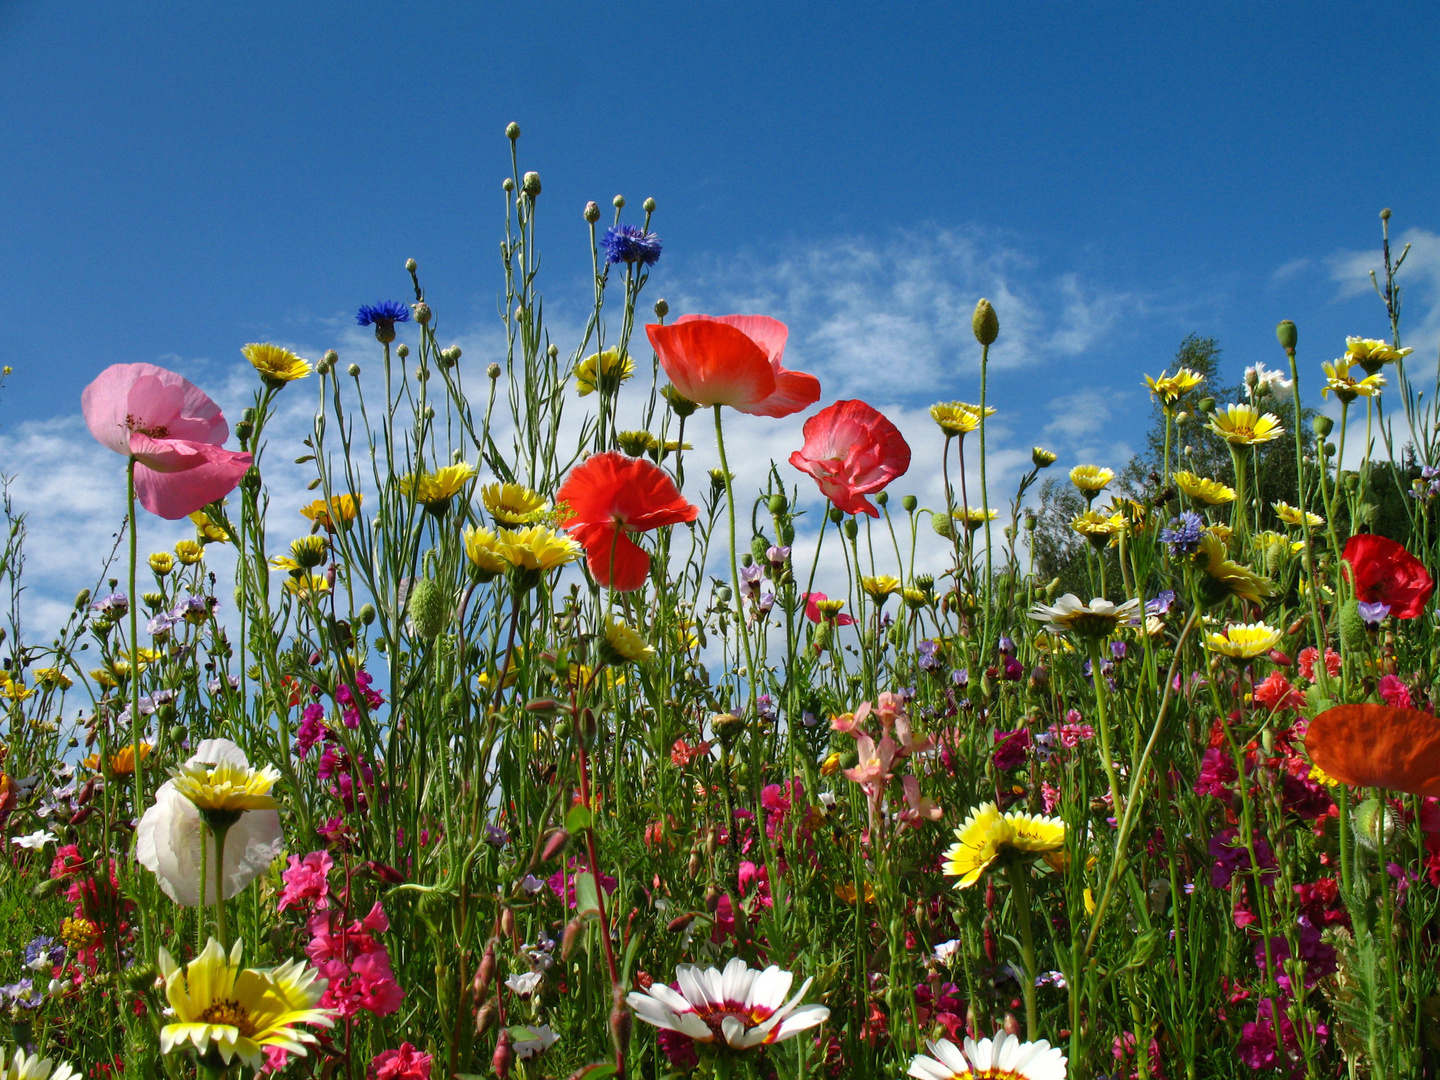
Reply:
x=230 y=1013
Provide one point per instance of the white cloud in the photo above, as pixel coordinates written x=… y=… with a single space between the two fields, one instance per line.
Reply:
x=1418 y=278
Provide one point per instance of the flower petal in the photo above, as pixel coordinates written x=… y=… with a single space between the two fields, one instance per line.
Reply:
x=712 y=363
x=1378 y=746
x=174 y=495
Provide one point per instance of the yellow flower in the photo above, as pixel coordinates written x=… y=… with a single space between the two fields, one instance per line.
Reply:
x=831 y=765
x=1292 y=515
x=881 y=586
x=537 y=548
x=227 y=785
x=1244 y=425
x=53 y=678
x=635 y=443
x=1320 y=776
x=1095 y=619
x=603 y=371
x=848 y=893
x=305 y=553
x=162 y=562
x=340 y=508
x=227 y=1012
x=1228 y=576
x=957 y=417
x=1091 y=479
x=513 y=504
x=104 y=678
x=915 y=598
x=79 y=933
x=121 y=763
x=1347 y=388
x=435 y=490
x=1243 y=641
x=1099 y=527
x=482 y=547
x=206 y=531
x=987 y=832
x=1371 y=353
x=189 y=552
x=307 y=586
x=1203 y=488
x=828 y=609
x=973 y=517
x=276 y=366
x=1170 y=388
x=626 y=643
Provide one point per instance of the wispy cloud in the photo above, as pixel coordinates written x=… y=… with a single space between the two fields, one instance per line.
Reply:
x=1419 y=280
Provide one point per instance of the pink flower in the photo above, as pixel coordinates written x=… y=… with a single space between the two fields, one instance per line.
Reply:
x=812 y=609
x=1394 y=692
x=852 y=451
x=1276 y=693
x=920 y=807
x=307 y=880
x=1310 y=654
x=172 y=430
x=407 y=1063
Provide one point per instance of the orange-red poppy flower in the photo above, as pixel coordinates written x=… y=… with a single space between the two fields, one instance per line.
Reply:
x=852 y=451
x=609 y=495
x=733 y=360
x=1385 y=573
x=1378 y=746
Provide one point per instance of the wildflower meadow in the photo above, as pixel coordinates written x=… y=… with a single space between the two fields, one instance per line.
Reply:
x=528 y=748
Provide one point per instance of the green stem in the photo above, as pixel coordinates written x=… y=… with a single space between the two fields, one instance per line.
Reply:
x=1020 y=889
x=138 y=789
x=734 y=564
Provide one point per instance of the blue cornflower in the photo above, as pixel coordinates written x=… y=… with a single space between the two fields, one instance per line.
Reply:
x=627 y=244
x=1184 y=533
x=1373 y=614
x=43 y=953
x=383 y=316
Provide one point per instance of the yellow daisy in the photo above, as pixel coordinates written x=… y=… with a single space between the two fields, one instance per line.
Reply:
x=227 y=785
x=306 y=586
x=987 y=833
x=1245 y=425
x=207 y=531
x=276 y=366
x=435 y=490
x=341 y=510
x=189 y=552
x=1243 y=641
x=974 y=517
x=482 y=547
x=513 y=504
x=226 y=1012
x=603 y=371
x=537 y=548
x=1346 y=386
x=1099 y=527
x=957 y=417
x=1091 y=479
x=1225 y=576
x=626 y=644
x=1203 y=488
x=880 y=586
x=1293 y=515
x=1170 y=388
x=1372 y=353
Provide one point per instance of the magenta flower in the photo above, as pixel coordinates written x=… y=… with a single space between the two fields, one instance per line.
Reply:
x=172 y=430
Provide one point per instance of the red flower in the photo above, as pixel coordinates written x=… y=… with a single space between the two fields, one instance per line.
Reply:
x=852 y=451
x=1385 y=573
x=1377 y=746
x=812 y=609
x=609 y=495
x=733 y=360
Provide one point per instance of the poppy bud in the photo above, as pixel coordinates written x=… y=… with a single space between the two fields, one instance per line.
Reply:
x=571 y=937
x=778 y=504
x=556 y=844
x=852 y=528
x=984 y=323
x=909 y=503
x=1352 y=627
x=941 y=524
x=504 y=1057
x=1205 y=405
x=367 y=613
x=1287 y=335
x=429 y=608
x=592 y=212
x=1374 y=824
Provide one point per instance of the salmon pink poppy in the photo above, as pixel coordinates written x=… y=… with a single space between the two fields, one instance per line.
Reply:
x=1378 y=746
x=609 y=495
x=733 y=360
x=1385 y=573
x=852 y=451
x=172 y=430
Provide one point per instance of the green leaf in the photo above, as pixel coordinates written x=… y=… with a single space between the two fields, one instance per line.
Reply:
x=578 y=820
x=587 y=895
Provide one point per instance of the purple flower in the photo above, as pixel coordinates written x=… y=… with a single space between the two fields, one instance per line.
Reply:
x=115 y=604
x=1006 y=646
x=749 y=580
x=627 y=244
x=1373 y=614
x=1231 y=858
x=928 y=658
x=1184 y=533
x=1161 y=604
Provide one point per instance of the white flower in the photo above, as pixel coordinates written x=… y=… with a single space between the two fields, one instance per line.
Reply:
x=1005 y=1057
x=743 y=1006
x=168 y=839
x=525 y=984
x=1262 y=380
x=536 y=1041
x=35 y=840
x=1095 y=619
x=946 y=949
x=34 y=1067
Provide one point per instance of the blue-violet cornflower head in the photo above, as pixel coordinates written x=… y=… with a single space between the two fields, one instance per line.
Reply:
x=1184 y=532
x=1373 y=614
x=383 y=316
x=627 y=244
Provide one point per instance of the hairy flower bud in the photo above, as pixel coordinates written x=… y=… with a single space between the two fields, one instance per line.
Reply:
x=662 y=308
x=512 y=131
x=1287 y=335
x=984 y=323
x=530 y=184
x=592 y=211
x=556 y=844
x=648 y=206
x=429 y=608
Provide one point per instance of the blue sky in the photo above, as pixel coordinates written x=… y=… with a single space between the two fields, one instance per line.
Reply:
x=184 y=178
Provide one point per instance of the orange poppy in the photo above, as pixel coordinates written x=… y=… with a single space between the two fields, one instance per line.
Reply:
x=1378 y=746
x=733 y=360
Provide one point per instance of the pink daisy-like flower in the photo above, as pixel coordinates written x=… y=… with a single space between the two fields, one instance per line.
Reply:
x=742 y=1006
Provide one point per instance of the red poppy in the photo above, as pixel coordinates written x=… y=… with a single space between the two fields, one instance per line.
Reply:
x=1385 y=573
x=812 y=609
x=733 y=360
x=852 y=451
x=609 y=495
x=1378 y=746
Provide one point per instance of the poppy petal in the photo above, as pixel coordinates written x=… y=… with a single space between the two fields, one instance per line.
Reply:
x=794 y=390
x=615 y=560
x=1378 y=746
x=173 y=495
x=770 y=334
x=712 y=363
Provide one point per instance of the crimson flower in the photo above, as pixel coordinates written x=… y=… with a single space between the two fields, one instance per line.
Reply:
x=609 y=495
x=852 y=451
x=813 y=613
x=1385 y=573
x=733 y=360
x=1377 y=746
x=172 y=430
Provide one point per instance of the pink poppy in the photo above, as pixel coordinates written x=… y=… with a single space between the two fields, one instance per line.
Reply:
x=733 y=360
x=852 y=451
x=172 y=430
x=812 y=609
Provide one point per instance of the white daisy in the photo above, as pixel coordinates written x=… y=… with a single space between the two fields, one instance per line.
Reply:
x=35 y=840
x=34 y=1067
x=1095 y=619
x=743 y=1006
x=1004 y=1058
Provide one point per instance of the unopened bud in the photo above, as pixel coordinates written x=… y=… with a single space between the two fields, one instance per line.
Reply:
x=648 y=206
x=571 y=937
x=512 y=131
x=504 y=1057
x=592 y=212
x=1322 y=426
x=618 y=202
x=1041 y=457
x=422 y=312
x=530 y=184
x=485 y=1018
x=353 y=371
x=556 y=844
x=984 y=323
x=1287 y=335
x=662 y=308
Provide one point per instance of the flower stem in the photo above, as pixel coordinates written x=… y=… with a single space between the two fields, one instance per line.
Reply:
x=1020 y=890
x=222 y=924
x=137 y=790
x=735 y=566
x=1102 y=714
